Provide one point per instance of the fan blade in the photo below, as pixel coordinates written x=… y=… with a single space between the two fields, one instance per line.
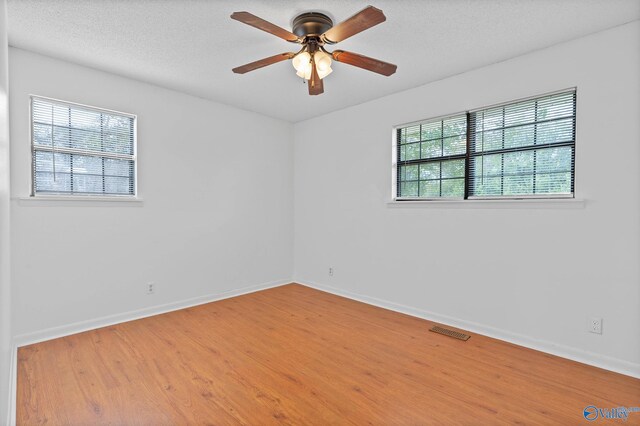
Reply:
x=263 y=62
x=316 y=87
x=261 y=24
x=364 y=62
x=366 y=18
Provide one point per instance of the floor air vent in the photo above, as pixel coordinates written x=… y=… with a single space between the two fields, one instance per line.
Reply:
x=450 y=333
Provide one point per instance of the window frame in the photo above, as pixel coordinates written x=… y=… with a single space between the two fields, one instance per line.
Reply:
x=419 y=161
x=65 y=196
x=468 y=180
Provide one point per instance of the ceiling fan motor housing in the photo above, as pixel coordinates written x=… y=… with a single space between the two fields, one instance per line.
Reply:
x=311 y=24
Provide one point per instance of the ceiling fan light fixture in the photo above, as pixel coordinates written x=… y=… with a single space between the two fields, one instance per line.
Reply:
x=313 y=30
x=302 y=64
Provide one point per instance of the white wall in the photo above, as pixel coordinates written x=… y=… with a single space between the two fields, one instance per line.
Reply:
x=216 y=217
x=530 y=275
x=5 y=297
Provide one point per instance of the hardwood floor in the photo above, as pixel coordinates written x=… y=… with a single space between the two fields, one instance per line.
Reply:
x=295 y=355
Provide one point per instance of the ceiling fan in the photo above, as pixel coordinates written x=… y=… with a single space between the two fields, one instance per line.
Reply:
x=314 y=30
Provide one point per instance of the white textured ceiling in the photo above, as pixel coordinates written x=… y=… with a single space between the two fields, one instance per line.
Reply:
x=192 y=45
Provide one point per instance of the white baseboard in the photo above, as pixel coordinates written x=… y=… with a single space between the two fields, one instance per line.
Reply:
x=92 y=324
x=13 y=382
x=601 y=361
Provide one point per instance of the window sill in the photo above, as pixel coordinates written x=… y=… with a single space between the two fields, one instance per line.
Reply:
x=83 y=200
x=530 y=203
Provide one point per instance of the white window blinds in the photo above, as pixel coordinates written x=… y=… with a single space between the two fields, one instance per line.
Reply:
x=81 y=150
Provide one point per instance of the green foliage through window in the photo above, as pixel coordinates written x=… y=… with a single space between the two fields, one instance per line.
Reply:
x=431 y=159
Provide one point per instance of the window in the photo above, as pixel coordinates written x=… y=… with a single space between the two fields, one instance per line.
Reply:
x=432 y=158
x=80 y=150
x=520 y=149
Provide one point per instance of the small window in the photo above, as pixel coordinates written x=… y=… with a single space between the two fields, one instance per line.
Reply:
x=432 y=158
x=520 y=149
x=80 y=150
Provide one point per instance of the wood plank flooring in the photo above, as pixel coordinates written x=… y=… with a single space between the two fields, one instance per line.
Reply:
x=295 y=355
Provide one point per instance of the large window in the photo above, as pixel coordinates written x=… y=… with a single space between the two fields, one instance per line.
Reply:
x=79 y=150
x=521 y=149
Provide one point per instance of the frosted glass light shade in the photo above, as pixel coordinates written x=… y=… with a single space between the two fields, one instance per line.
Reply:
x=323 y=63
x=302 y=63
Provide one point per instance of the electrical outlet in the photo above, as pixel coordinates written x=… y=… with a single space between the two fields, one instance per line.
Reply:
x=151 y=288
x=595 y=325
x=330 y=271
